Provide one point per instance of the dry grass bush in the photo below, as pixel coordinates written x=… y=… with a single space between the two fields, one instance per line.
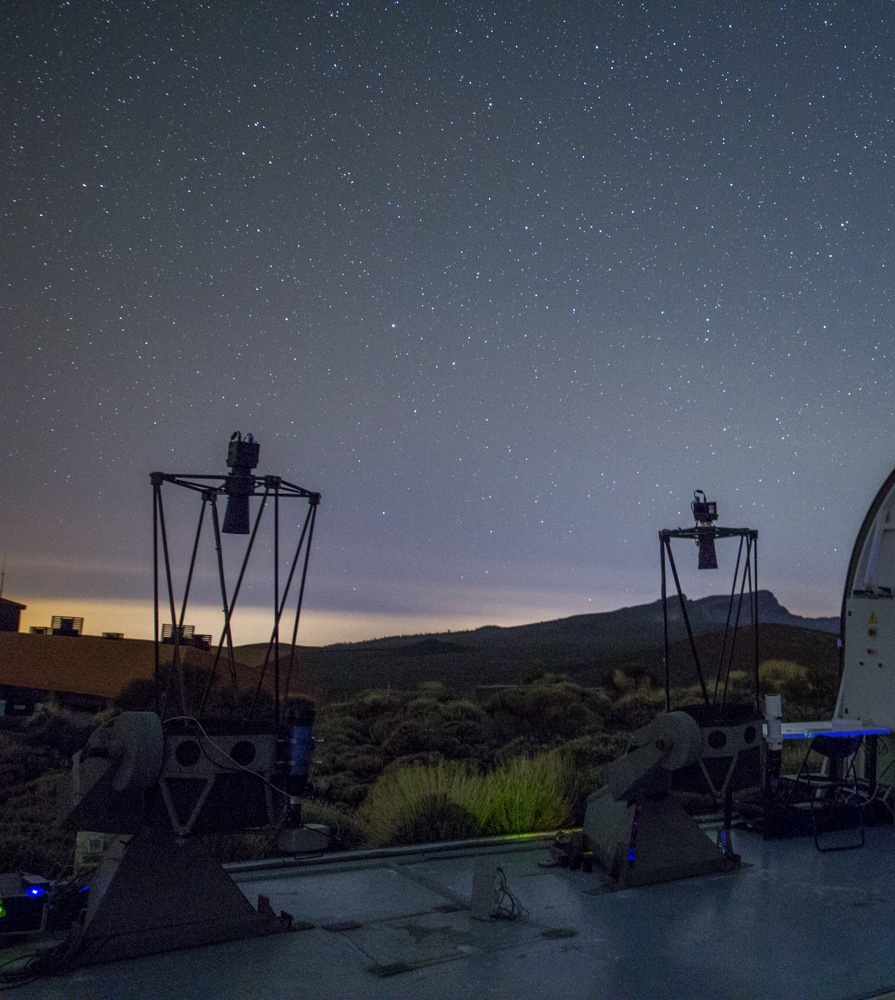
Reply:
x=30 y=838
x=451 y=800
x=345 y=830
x=793 y=756
x=249 y=846
x=359 y=737
x=59 y=730
x=806 y=694
x=635 y=709
x=588 y=755
x=418 y=803
x=621 y=683
x=544 y=711
x=436 y=818
x=528 y=794
x=20 y=764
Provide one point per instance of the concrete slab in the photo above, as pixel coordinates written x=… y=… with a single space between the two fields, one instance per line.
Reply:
x=792 y=923
x=335 y=897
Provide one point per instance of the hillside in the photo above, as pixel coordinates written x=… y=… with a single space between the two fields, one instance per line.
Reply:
x=614 y=679
x=586 y=647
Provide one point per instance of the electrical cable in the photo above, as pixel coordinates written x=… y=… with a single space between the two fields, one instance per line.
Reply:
x=509 y=907
x=236 y=765
x=879 y=795
x=58 y=958
x=41 y=963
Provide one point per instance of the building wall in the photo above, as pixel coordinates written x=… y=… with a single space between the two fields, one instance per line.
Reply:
x=84 y=664
x=10 y=614
x=88 y=669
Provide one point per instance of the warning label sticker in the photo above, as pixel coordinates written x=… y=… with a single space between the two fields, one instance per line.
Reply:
x=871 y=620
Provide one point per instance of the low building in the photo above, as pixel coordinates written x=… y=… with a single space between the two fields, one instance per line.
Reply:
x=10 y=614
x=87 y=673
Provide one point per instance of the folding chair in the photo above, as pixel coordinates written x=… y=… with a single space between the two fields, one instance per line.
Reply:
x=833 y=795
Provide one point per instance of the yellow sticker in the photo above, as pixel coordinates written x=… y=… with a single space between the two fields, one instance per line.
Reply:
x=871 y=620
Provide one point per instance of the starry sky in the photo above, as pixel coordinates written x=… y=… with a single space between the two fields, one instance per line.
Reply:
x=505 y=282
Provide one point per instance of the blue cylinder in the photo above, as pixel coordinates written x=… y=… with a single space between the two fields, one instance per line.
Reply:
x=301 y=749
x=297 y=748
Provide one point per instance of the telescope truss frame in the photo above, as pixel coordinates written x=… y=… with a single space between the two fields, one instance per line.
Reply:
x=210 y=487
x=745 y=574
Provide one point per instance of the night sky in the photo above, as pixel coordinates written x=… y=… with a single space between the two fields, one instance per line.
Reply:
x=504 y=282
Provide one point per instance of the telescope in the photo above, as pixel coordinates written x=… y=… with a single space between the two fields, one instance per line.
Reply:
x=242 y=458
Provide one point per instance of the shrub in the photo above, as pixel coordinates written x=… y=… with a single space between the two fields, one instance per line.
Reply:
x=138 y=696
x=366 y=765
x=435 y=817
x=249 y=846
x=20 y=764
x=342 y=787
x=526 y=794
x=59 y=730
x=542 y=712
x=414 y=801
x=345 y=831
x=411 y=736
x=449 y=800
x=636 y=709
x=370 y=705
x=587 y=756
x=802 y=697
x=30 y=838
x=459 y=710
x=621 y=683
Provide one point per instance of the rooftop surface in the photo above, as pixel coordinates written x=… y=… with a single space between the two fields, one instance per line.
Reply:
x=92 y=665
x=790 y=923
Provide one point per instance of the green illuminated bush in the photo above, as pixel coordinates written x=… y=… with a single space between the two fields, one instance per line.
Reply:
x=450 y=800
x=526 y=794
x=412 y=804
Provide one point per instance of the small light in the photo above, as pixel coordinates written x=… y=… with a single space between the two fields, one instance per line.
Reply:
x=36 y=890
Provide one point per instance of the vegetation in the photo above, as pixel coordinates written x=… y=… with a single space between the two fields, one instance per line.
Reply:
x=806 y=694
x=415 y=765
x=449 y=800
x=33 y=756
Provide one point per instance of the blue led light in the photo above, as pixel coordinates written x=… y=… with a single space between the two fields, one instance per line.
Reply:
x=36 y=890
x=811 y=731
